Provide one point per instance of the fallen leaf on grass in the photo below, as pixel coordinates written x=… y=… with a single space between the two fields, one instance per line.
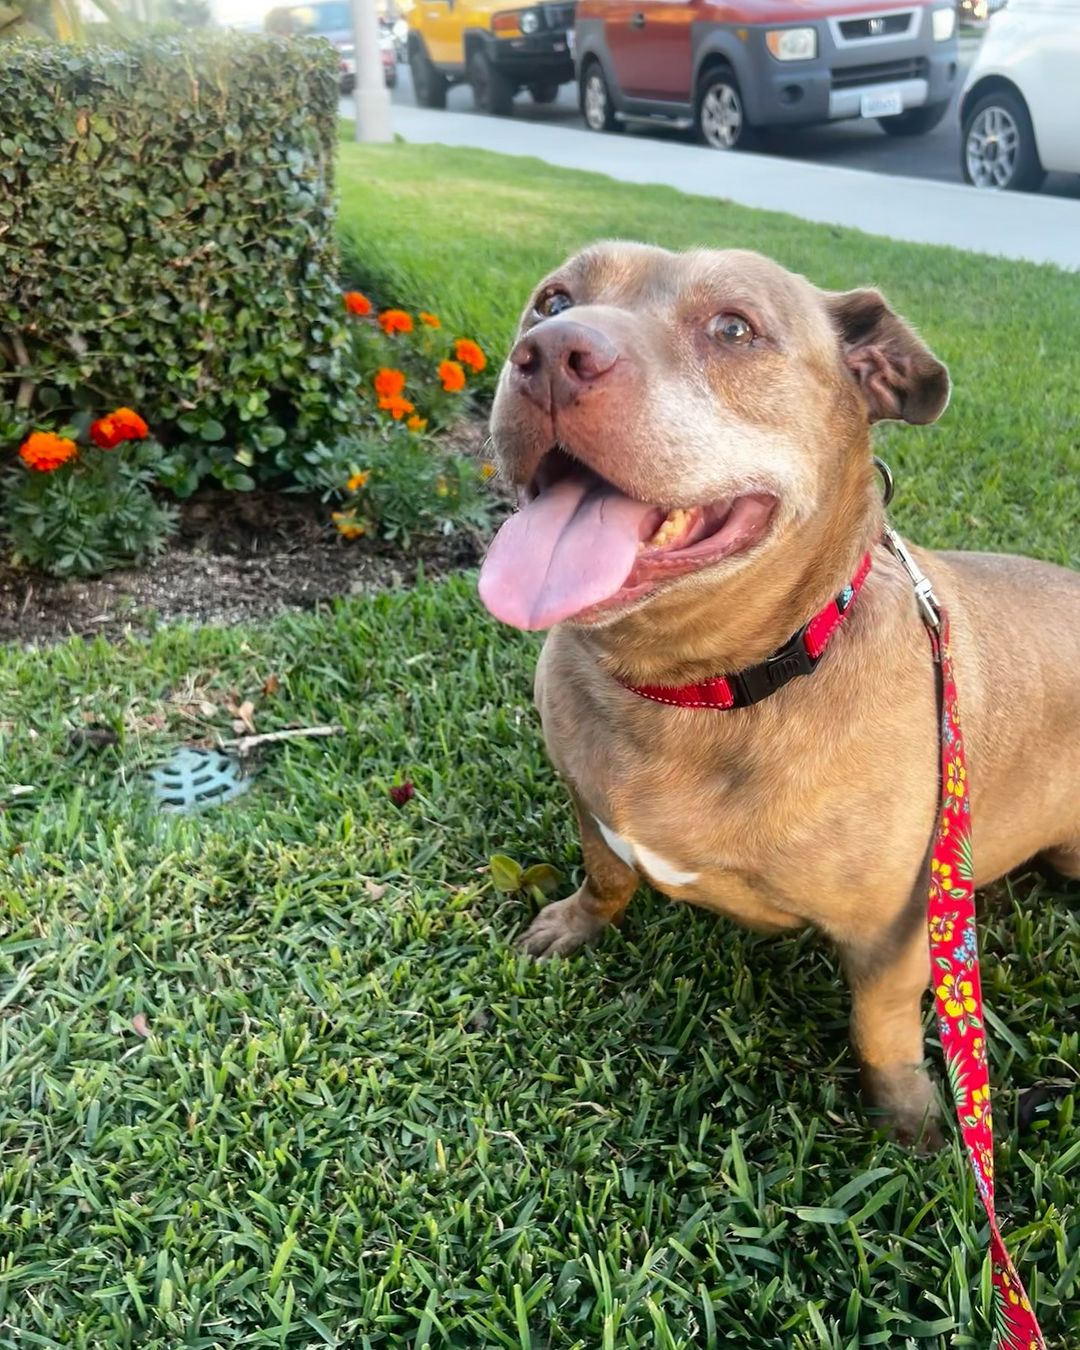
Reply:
x=271 y=685
x=375 y=890
x=243 y=717
x=401 y=793
x=138 y=1022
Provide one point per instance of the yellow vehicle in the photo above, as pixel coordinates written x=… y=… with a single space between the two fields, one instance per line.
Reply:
x=496 y=49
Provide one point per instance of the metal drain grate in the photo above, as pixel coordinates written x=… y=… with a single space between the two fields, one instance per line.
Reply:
x=193 y=779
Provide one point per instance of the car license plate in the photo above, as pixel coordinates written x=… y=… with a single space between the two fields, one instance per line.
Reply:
x=570 y=41
x=882 y=103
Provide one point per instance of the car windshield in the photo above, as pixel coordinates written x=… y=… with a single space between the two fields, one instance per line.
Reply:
x=296 y=20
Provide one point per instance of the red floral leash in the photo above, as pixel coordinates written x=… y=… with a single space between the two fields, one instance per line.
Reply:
x=954 y=956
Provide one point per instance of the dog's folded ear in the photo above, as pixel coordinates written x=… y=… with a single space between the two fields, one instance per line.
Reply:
x=898 y=374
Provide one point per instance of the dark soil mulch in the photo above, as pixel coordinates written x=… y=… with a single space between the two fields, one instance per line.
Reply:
x=235 y=557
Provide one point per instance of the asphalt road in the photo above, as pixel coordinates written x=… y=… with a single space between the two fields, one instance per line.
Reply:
x=854 y=145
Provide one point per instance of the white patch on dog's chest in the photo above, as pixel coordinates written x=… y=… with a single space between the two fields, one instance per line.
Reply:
x=643 y=859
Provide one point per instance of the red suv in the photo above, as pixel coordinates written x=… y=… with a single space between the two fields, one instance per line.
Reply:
x=727 y=68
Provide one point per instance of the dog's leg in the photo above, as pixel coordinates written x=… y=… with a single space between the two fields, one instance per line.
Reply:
x=887 y=983
x=565 y=925
x=1066 y=860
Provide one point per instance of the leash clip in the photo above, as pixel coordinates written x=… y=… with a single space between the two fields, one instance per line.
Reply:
x=929 y=608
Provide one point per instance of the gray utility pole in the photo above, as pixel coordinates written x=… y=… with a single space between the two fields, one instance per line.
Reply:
x=372 y=99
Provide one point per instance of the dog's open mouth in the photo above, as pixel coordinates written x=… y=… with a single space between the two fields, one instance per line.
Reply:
x=579 y=544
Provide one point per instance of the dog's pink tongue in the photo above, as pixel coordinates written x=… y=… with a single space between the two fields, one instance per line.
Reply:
x=567 y=550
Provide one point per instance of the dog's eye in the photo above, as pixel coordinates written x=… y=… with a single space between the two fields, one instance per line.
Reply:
x=552 y=302
x=731 y=328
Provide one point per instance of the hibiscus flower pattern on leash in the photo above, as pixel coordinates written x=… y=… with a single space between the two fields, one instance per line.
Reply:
x=954 y=956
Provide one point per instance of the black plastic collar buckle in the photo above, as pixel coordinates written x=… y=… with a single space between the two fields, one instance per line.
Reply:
x=757 y=682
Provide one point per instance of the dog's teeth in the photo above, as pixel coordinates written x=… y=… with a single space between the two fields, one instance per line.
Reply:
x=670 y=528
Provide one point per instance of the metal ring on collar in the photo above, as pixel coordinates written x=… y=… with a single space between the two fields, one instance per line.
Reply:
x=887 y=480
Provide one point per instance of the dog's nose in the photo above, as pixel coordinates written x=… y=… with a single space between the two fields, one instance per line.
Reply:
x=558 y=360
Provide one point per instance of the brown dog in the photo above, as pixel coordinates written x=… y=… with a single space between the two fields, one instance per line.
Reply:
x=691 y=437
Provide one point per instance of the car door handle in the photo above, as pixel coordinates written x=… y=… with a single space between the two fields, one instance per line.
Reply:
x=638 y=21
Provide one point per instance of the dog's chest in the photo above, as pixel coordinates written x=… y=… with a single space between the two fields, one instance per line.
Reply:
x=694 y=809
x=674 y=822
x=661 y=871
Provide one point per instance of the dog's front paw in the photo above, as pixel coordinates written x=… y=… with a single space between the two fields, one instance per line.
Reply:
x=902 y=1098
x=561 y=928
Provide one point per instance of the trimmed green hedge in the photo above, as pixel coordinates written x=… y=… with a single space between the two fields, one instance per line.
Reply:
x=167 y=243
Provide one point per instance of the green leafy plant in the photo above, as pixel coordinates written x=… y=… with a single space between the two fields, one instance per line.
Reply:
x=397 y=481
x=403 y=486
x=508 y=876
x=166 y=208
x=74 y=509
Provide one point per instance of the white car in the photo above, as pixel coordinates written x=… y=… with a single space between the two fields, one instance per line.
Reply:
x=1020 y=107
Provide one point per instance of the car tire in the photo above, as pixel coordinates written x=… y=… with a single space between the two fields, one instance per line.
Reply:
x=544 y=91
x=720 y=116
x=914 y=122
x=429 y=85
x=594 y=97
x=997 y=147
x=492 y=91
x=391 y=79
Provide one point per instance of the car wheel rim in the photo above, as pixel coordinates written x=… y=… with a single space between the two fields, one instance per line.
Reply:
x=595 y=102
x=993 y=148
x=721 y=116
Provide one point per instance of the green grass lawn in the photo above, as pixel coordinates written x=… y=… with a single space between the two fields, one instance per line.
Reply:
x=275 y=1076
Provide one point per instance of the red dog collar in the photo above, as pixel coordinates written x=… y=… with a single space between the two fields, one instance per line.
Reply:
x=798 y=656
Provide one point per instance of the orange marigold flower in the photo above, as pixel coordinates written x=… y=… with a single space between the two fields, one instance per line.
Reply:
x=124 y=424
x=431 y=320
x=393 y=321
x=417 y=423
x=469 y=354
x=45 y=451
x=356 y=303
x=452 y=376
x=388 y=382
x=396 y=406
x=347 y=524
x=130 y=424
x=487 y=469
x=105 y=433
x=358 y=480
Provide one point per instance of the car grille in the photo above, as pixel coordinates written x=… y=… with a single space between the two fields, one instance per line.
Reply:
x=878 y=25
x=557 y=16
x=884 y=72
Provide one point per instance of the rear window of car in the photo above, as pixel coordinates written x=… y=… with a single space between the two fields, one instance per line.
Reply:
x=297 y=20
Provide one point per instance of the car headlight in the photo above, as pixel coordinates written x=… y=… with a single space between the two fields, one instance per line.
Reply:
x=530 y=21
x=944 y=21
x=792 y=44
x=401 y=30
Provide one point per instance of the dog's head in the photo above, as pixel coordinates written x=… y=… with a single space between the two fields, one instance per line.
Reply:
x=669 y=418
